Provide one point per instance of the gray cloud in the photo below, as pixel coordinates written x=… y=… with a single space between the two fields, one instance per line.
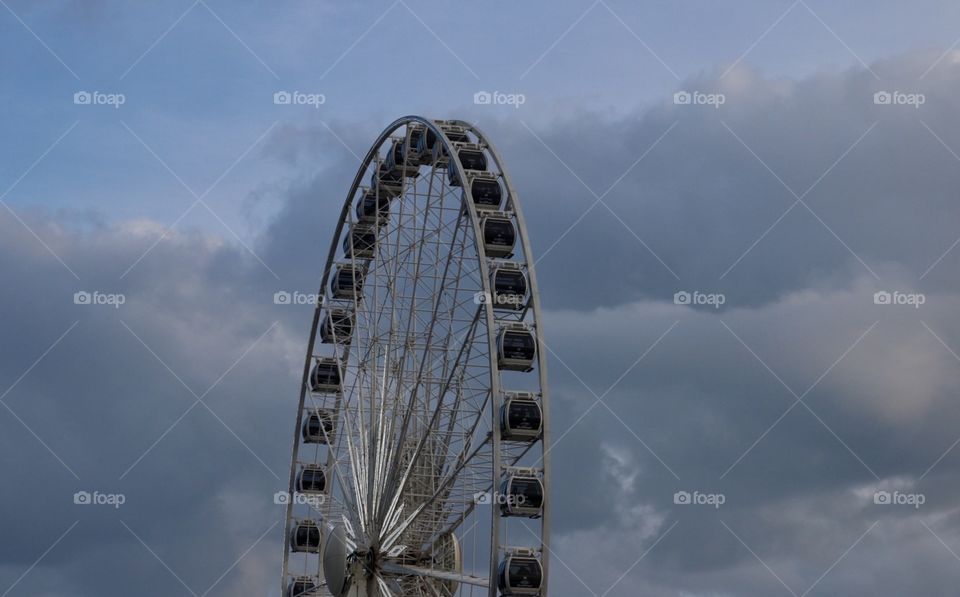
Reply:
x=677 y=421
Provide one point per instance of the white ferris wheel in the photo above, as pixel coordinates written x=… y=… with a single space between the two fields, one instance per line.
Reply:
x=420 y=462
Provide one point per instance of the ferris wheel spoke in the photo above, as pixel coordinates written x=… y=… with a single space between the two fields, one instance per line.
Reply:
x=408 y=570
x=371 y=488
x=407 y=415
x=357 y=473
x=467 y=452
x=427 y=433
x=390 y=449
x=398 y=529
x=384 y=587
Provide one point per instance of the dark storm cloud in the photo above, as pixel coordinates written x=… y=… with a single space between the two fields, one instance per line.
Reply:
x=701 y=198
x=684 y=418
x=100 y=399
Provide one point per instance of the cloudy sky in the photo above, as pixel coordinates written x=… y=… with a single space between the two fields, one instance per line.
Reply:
x=815 y=166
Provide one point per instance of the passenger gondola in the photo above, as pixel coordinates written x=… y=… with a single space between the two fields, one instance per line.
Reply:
x=516 y=347
x=429 y=150
x=425 y=144
x=471 y=158
x=302 y=586
x=399 y=162
x=318 y=427
x=521 y=418
x=385 y=182
x=346 y=282
x=360 y=243
x=522 y=493
x=485 y=190
x=372 y=209
x=413 y=154
x=311 y=479
x=499 y=235
x=305 y=537
x=508 y=284
x=337 y=326
x=325 y=376
x=520 y=573
x=456 y=134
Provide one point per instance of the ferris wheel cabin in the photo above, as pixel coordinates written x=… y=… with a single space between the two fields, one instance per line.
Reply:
x=471 y=157
x=499 y=234
x=303 y=586
x=486 y=190
x=521 y=573
x=371 y=209
x=311 y=479
x=305 y=537
x=361 y=243
x=337 y=326
x=521 y=418
x=523 y=493
x=346 y=282
x=509 y=286
x=318 y=427
x=325 y=376
x=386 y=182
x=516 y=347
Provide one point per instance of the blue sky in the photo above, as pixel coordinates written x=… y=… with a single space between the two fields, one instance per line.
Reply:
x=198 y=78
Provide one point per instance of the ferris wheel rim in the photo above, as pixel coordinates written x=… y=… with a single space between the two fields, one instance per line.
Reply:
x=491 y=319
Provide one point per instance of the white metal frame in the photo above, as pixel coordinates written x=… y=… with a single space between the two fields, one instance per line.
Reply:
x=417 y=418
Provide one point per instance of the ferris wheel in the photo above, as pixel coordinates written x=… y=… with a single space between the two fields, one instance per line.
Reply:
x=420 y=462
